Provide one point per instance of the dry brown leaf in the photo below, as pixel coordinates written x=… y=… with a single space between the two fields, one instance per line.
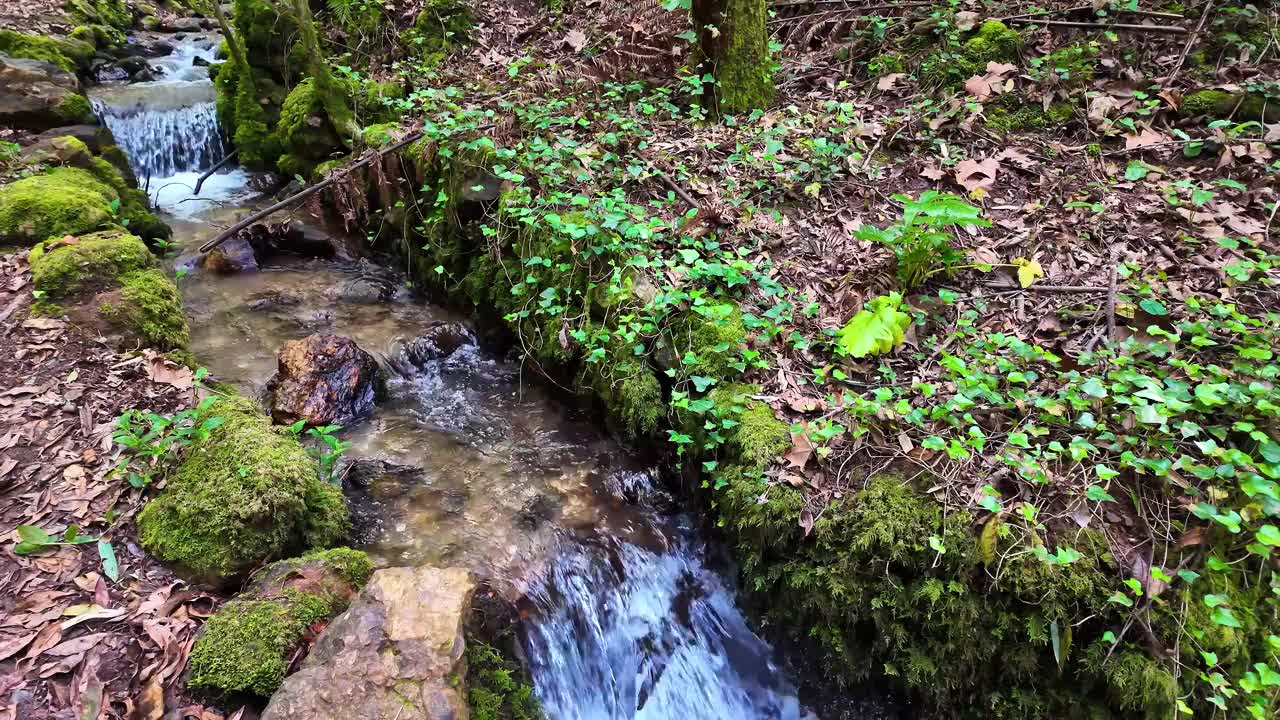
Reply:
x=1146 y=138
x=890 y=81
x=801 y=451
x=166 y=373
x=975 y=174
x=576 y=40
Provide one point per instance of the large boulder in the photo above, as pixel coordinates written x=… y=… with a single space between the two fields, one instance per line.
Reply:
x=396 y=654
x=249 y=645
x=246 y=495
x=322 y=380
x=35 y=95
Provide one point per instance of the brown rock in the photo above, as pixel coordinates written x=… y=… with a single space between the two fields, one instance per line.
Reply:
x=322 y=379
x=397 y=653
x=35 y=95
x=233 y=256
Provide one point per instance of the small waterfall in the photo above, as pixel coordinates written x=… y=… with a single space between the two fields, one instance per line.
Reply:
x=628 y=633
x=164 y=141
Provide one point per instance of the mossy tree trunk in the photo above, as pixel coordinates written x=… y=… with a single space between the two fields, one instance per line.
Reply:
x=733 y=46
x=239 y=56
x=331 y=94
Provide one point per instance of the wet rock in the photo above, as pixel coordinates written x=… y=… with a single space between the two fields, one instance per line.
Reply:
x=64 y=150
x=198 y=61
x=438 y=341
x=323 y=380
x=180 y=25
x=37 y=95
x=397 y=653
x=369 y=484
x=231 y=257
x=275 y=239
x=95 y=137
x=268 y=300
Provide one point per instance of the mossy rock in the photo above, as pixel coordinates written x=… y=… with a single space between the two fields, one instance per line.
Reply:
x=68 y=54
x=63 y=201
x=101 y=37
x=111 y=278
x=1223 y=104
x=1074 y=65
x=441 y=26
x=248 y=645
x=993 y=42
x=1012 y=114
x=148 y=305
x=111 y=13
x=247 y=495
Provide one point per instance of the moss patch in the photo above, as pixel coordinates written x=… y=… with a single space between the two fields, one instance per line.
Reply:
x=1222 y=104
x=495 y=686
x=68 y=54
x=150 y=307
x=62 y=268
x=63 y=201
x=247 y=646
x=249 y=494
x=1011 y=114
x=993 y=42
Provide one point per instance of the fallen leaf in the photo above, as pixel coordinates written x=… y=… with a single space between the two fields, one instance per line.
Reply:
x=165 y=373
x=576 y=40
x=1146 y=138
x=801 y=451
x=975 y=174
x=978 y=87
x=888 y=82
x=150 y=702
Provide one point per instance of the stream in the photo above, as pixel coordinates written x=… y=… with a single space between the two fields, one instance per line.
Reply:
x=628 y=610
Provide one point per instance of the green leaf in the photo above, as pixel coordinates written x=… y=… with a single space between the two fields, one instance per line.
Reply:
x=1136 y=170
x=1098 y=494
x=1223 y=617
x=875 y=330
x=1214 y=601
x=110 y=567
x=1269 y=535
x=1120 y=599
x=1153 y=307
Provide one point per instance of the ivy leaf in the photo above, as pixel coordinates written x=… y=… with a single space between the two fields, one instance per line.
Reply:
x=1098 y=494
x=1269 y=535
x=1120 y=599
x=1136 y=170
x=876 y=329
x=110 y=566
x=1223 y=617
x=1153 y=307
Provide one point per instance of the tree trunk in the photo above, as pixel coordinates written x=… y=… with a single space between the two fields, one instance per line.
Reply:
x=733 y=46
x=331 y=94
x=239 y=56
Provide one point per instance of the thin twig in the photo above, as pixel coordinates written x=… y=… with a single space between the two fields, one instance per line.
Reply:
x=1104 y=26
x=209 y=173
x=1191 y=41
x=1111 y=299
x=1052 y=288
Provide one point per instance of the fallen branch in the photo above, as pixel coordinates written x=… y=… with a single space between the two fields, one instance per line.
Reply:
x=1103 y=26
x=209 y=173
x=308 y=192
x=681 y=192
x=1111 y=300
x=1051 y=288
x=1191 y=41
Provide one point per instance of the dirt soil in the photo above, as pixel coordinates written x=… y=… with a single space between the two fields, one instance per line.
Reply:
x=97 y=629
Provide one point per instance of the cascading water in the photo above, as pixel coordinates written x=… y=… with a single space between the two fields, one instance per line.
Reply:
x=169 y=128
x=627 y=632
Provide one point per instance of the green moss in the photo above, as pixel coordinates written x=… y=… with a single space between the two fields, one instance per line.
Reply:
x=758 y=437
x=378 y=136
x=441 y=26
x=887 y=63
x=151 y=308
x=243 y=648
x=709 y=340
x=250 y=493
x=1222 y=104
x=62 y=201
x=495 y=687
x=993 y=42
x=111 y=13
x=74 y=110
x=1011 y=114
x=247 y=646
x=1074 y=65
x=100 y=37
x=743 y=68
x=68 y=54
x=304 y=130
x=1135 y=682
x=628 y=389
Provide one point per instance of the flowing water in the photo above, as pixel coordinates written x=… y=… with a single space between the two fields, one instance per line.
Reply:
x=463 y=463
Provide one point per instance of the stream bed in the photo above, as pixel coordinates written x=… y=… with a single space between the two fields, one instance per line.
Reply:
x=629 y=614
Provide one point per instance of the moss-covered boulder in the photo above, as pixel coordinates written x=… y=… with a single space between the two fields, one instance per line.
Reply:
x=992 y=42
x=110 y=280
x=304 y=130
x=63 y=201
x=248 y=494
x=67 y=54
x=86 y=194
x=249 y=644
